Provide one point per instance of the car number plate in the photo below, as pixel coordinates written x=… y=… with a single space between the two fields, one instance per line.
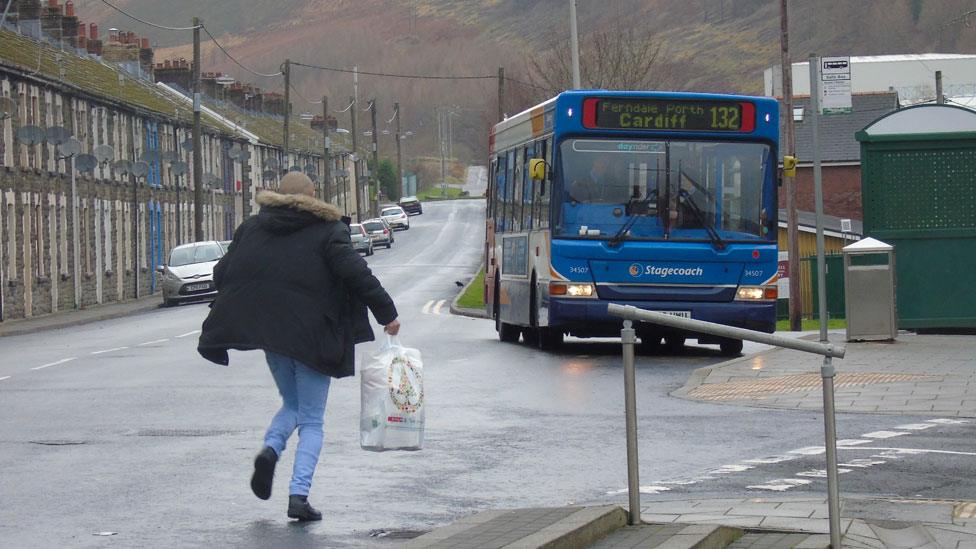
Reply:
x=682 y=314
x=195 y=287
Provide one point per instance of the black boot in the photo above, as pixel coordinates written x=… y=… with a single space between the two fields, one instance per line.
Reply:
x=299 y=508
x=264 y=466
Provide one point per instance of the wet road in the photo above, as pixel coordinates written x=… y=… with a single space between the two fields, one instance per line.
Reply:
x=119 y=427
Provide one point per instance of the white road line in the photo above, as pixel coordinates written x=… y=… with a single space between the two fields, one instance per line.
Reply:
x=4 y=377
x=437 y=308
x=883 y=434
x=780 y=485
x=109 y=350
x=427 y=306
x=910 y=451
x=188 y=334
x=62 y=361
x=152 y=342
x=917 y=426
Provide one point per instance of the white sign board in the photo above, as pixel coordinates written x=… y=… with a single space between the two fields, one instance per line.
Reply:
x=835 y=85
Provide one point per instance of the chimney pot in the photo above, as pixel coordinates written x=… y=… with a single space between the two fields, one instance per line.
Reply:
x=145 y=43
x=69 y=8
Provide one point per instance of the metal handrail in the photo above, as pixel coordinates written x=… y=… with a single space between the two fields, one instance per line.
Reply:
x=828 y=350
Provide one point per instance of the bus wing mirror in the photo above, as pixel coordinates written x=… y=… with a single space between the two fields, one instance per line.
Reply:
x=537 y=169
x=789 y=166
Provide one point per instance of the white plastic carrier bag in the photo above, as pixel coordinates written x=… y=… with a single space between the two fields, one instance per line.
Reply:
x=392 y=414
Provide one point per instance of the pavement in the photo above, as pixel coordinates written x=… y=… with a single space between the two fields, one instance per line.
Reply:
x=916 y=375
x=67 y=319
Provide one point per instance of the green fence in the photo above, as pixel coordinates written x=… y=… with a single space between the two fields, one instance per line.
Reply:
x=834 y=264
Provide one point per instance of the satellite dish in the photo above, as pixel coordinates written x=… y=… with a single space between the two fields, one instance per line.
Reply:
x=234 y=152
x=188 y=144
x=122 y=167
x=57 y=135
x=271 y=163
x=30 y=135
x=178 y=168
x=70 y=147
x=140 y=169
x=295 y=169
x=85 y=163
x=244 y=157
x=149 y=156
x=169 y=156
x=104 y=153
x=7 y=107
x=268 y=174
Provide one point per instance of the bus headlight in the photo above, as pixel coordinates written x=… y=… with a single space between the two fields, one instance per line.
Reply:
x=571 y=290
x=757 y=293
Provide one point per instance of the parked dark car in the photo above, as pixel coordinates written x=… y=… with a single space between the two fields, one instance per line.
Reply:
x=411 y=205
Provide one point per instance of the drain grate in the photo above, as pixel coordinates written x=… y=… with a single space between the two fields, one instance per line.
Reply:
x=793 y=384
x=185 y=432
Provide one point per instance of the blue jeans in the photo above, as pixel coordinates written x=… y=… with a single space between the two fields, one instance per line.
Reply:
x=303 y=394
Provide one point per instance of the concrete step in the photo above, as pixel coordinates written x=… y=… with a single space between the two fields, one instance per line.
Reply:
x=670 y=536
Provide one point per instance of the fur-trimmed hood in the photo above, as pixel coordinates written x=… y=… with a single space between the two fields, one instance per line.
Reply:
x=300 y=202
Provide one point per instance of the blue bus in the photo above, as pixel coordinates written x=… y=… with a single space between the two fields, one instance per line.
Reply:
x=664 y=201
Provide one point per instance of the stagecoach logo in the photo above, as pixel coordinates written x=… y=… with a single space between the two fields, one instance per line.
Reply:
x=637 y=270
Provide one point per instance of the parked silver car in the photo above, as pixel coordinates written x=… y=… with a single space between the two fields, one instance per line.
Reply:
x=379 y=232
x=189 y=274
x=361 y=240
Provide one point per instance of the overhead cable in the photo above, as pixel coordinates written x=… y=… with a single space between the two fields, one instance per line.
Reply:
x=392 y=75
x=349 y=106
x=231 y=57
x=307 y=100
x=143 y=21
x=396 y=113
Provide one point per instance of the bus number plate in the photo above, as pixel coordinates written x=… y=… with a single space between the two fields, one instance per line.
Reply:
x=682 y=314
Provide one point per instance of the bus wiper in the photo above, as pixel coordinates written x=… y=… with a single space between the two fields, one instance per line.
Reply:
x=717 y=241
x=635 y=208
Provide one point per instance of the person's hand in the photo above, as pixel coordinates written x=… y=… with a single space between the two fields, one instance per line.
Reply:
x=392 y=328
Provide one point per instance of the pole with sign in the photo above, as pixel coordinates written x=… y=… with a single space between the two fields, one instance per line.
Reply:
x=835 y=85
x=818 y=90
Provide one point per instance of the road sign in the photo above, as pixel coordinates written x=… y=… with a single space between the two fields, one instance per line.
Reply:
x=835 y=85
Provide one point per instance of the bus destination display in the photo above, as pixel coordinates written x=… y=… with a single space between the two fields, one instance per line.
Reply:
x=668 y=115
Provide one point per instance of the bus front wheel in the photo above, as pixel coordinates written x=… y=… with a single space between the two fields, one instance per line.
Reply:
x=731 y=347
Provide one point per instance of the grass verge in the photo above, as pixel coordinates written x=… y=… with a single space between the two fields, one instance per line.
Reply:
x=474 y=296
x=811 y=324
x=435 y=193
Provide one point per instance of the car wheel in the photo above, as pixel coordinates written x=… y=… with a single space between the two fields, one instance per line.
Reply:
x=168 y=302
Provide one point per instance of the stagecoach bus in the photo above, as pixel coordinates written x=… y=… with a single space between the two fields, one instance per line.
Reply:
x=664 y=201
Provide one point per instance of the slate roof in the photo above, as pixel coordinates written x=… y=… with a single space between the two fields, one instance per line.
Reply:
x=837 y=130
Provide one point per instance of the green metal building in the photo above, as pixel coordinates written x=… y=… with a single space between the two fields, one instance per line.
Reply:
x=918 y=185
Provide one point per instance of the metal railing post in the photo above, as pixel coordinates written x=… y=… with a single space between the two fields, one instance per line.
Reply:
x=628 y=336
x=830 y=440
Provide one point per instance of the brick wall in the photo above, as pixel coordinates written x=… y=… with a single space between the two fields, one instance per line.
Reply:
x=841 y=190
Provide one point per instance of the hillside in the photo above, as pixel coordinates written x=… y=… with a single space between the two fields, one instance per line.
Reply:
x=711 y=45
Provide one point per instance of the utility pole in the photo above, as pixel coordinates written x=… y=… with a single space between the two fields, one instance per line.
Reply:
x=792 y=230
x=939 y=99
x=574 y=44
x=375 y=171
x=501 y=93
x=396 y=109
x=286 y=165
x=440 y=137
x=197 y=146
x=327 y=171
x=355 y=162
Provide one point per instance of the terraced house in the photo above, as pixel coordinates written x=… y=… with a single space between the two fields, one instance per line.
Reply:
x=133 y=199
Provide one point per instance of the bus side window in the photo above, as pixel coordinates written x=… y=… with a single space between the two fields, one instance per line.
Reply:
x=490 y=192
x=500 y=186
x=509 y=191
x=517 y=191
x=545 y=187
x=528 y=186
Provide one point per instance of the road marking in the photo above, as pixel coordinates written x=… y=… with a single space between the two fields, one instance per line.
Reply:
x=437 y=308
x=851 y=442
x=427 y=306
x=947 y=421
x=152 y=342
x=883 y=434
x=820 y=473
x=109 y=350
x=4 y=377
x=862 y=463
x=914 y=451
x=188 y=334
x=916 y=426
x=780 y=485
x=62 y=361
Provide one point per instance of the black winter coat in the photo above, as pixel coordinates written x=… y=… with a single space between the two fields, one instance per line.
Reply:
x=291 y=283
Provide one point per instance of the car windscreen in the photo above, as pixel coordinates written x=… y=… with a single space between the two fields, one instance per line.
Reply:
x=355 y=229
x=374 y=226
x=391 y=211
x=195 y=254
